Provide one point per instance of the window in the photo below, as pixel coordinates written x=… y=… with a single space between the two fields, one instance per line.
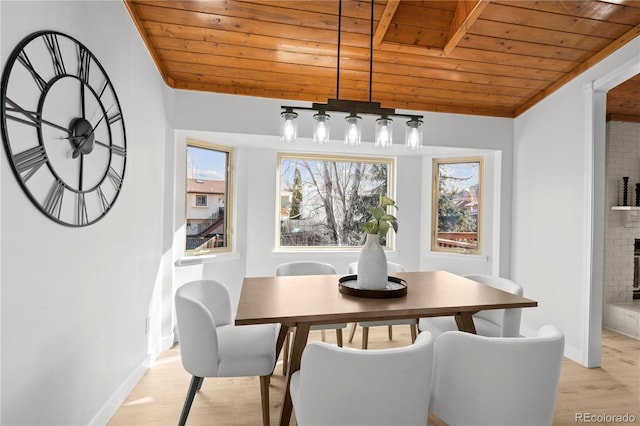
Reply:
x=323 y=199
x=457 y=205
x=208 y=193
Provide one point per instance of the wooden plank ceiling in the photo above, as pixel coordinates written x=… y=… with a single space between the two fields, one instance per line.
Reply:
x=481 y=57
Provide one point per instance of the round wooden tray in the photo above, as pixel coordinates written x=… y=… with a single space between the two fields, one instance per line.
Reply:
x=396 y=287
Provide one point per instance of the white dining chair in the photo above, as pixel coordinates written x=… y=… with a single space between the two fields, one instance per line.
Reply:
x=490 y=322
x=302 y=268
x=480 y=380
x=411 y=322
x=347 y=386
x=212 y=346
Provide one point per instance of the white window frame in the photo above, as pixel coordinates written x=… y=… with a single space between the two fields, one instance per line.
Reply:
x=228 y=198
x=463 y=248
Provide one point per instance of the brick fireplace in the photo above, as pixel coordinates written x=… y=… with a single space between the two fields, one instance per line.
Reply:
x=622 y=229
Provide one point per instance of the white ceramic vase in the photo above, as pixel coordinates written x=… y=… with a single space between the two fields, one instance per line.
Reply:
x=372 y=265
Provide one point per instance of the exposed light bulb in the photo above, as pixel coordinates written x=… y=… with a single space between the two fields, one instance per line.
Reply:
x=321 y=132
x=288 y=126
x=413 y=135
x=353 y=133
x=384 y=132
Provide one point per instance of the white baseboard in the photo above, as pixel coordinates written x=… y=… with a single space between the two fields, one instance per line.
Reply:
x=169 y=341
x=116 y=400
x=111 y=406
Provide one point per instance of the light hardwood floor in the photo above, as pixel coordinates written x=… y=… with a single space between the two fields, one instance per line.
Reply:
x=613 y=389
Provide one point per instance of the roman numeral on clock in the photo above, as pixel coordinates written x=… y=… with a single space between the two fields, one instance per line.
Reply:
x=23 y=58
x=116 y=179
x=51 y=41
x=82 y=217
x=84 y=63
x=29 y=162
x=53 y=203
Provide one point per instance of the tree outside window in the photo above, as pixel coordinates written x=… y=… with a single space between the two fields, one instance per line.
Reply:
x=324 y=199
x=208 y=189
x=457 y=205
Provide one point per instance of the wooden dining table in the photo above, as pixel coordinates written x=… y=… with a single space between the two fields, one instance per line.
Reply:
x=303 y=301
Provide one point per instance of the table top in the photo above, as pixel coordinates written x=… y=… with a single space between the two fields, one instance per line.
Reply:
x=317 y=300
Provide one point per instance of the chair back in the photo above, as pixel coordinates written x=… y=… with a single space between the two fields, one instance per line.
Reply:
x=508 y=320
x=496 y=381
x=346 y=386
x=201 y=306
x=305 y=268
x=391 y=268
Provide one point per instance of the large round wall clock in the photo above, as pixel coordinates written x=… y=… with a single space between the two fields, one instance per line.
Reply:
x=62 y=128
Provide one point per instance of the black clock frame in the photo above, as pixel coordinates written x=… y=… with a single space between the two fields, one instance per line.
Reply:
x=80 y=130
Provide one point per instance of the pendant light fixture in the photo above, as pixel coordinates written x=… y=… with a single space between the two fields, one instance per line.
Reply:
x=353 y=133
x=413 y=133
x=289 y=125
x=321 y=129
x=354 y=109
x=384 y=132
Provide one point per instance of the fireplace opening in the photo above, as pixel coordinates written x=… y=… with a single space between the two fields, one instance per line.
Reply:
x=636 y=270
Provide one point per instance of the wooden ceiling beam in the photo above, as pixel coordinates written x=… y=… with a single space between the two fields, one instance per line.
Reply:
x=467 y=12
x=385 y=21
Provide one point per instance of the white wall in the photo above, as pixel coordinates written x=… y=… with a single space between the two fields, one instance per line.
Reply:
x=75 y=300
x=554 y=202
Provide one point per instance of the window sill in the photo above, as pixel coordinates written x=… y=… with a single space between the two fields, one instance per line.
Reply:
x=281 y=253
x=206 y=258
x=459 y=256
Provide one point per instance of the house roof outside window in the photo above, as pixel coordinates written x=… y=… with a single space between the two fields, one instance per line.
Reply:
x=204 y=186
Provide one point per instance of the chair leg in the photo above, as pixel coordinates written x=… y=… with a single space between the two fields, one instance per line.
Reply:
x=414 y=332
x=285 y=355
x=365 y=337
x=196 y=382
x=390 y=332
x=353 y=331
x=264 y=396
x=324 y=337
x=339 y=336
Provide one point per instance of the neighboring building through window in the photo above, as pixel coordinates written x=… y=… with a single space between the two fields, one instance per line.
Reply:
x=457 y=205
x=323 y=199
x=208 y=189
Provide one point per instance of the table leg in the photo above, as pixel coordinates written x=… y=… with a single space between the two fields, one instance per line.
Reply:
x=299 y=343
x=284 y=331
x=464 y=320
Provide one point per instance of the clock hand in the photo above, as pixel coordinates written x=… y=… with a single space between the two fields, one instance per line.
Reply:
x=101 y=118
x=82 y=106
x=85 y=138
x=31 y=118
x=76 y=151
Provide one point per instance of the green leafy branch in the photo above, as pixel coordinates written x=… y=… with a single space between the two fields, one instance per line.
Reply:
x=381 y=220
